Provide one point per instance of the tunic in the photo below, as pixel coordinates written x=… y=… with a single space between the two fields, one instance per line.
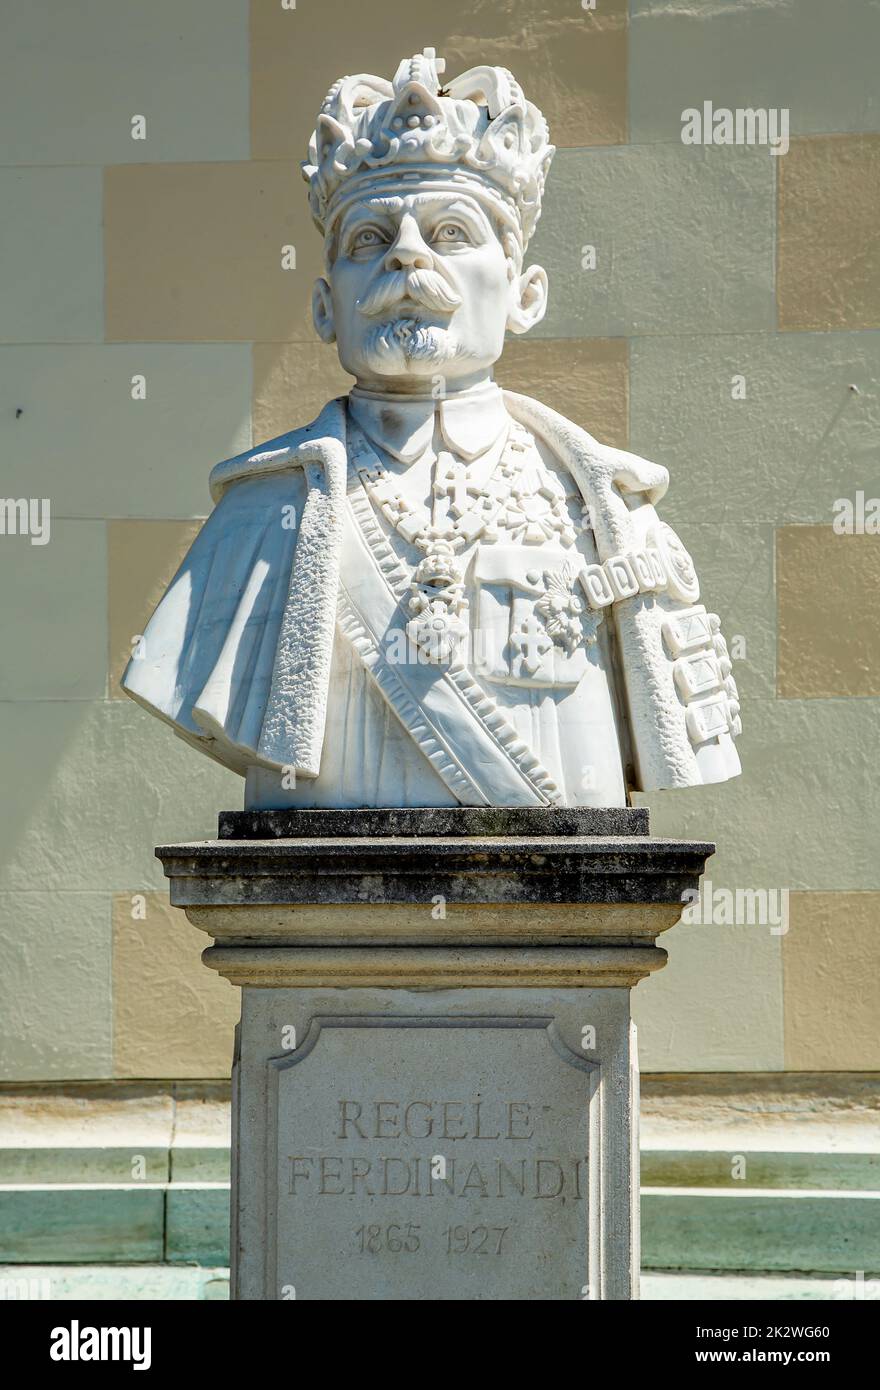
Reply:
x=529 y=640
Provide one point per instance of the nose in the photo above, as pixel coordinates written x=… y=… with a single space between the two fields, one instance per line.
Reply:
x=408 y=251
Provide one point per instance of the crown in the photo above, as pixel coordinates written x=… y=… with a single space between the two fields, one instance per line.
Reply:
x=478 y=130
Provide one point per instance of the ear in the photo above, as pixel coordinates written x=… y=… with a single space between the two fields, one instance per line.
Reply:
x=528 y=299
x=322 y=311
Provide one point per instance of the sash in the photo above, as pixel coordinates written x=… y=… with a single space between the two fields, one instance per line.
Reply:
x=458 y=727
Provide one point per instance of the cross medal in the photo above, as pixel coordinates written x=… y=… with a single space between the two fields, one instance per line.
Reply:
x=437 y=603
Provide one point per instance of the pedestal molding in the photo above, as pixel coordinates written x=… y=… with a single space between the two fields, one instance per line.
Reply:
x=461 y=924
x=433 y=911
x=434 y=968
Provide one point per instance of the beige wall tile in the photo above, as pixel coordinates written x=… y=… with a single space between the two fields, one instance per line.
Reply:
x=172 y=1017
x=831 y=981
x=142 y=558
x=292 y=383
x=828 y=254
x=829 y=623
x=193 y=252
x=585 y=380
x=570 y=61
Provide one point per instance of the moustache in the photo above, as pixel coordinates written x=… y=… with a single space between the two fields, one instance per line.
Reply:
x=425 y=288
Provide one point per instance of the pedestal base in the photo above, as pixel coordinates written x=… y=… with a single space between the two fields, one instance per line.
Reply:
x=435 y=1086
x=442 y=1144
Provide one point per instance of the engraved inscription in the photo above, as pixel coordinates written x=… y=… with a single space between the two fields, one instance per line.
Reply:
x=385 y=1163
x=375 y=1174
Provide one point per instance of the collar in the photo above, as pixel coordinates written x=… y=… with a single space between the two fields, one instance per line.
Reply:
x=470 y=423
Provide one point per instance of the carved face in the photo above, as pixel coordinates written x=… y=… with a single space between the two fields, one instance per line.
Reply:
x=422 y=285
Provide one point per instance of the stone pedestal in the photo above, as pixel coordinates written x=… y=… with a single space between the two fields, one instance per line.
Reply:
x=436 y=1082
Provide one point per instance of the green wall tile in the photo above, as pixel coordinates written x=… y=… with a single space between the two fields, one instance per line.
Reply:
x=93 y=789
x=50 y=247
x=184 y=67
x=816 y=58
x=684 y=240
x=734 y=561
x=53 y=634
x=799 y=440
x=717 y=1004
x=55 y=1017
x=800 y=815
x=83 y=441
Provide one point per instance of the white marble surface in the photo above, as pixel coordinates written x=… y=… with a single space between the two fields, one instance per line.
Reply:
x=437 y=593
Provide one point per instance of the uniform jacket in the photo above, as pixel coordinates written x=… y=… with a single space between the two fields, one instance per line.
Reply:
x=237 y=655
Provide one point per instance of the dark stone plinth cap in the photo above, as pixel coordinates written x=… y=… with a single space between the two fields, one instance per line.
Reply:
x=412 y=869
x=448 y=821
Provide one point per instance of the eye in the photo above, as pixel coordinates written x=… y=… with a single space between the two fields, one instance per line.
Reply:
x=367 y=239
x=452 y=234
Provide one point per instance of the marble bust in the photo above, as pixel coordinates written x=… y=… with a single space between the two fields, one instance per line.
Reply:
x=438 y=592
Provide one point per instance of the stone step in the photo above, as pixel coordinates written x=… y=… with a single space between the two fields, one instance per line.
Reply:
x=835 y=1233
x=732 y=1167
x=789 y=1231
x=111 y=1283
x=115 y=1223
x=738 y=1174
